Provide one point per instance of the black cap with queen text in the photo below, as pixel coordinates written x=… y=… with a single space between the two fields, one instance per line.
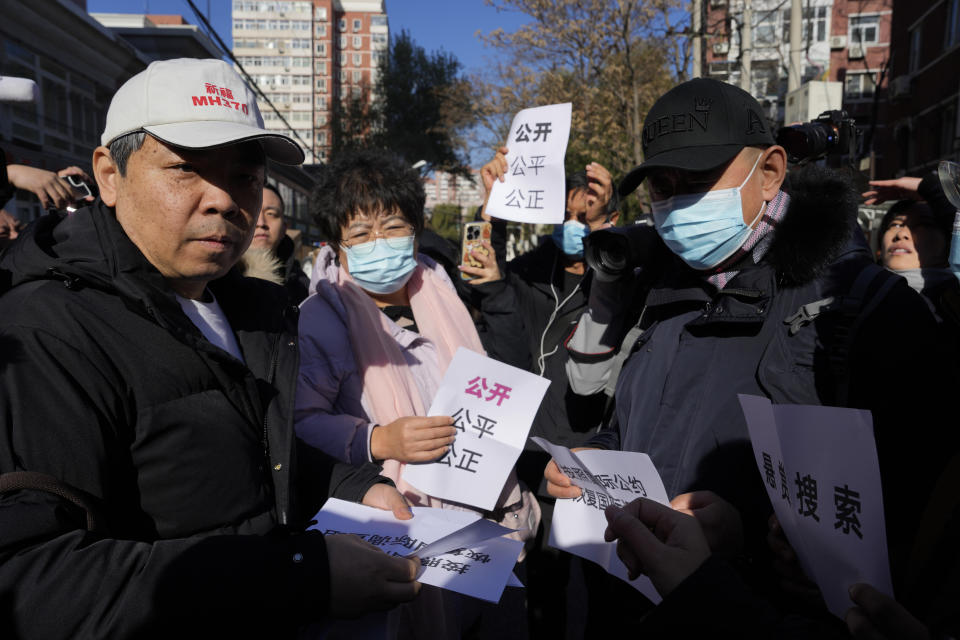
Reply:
x=698 y=125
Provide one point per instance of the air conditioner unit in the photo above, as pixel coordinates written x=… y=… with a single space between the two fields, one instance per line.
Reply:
x=900 y=86
x=855 y=52
x=721 y=48
x=838 y=42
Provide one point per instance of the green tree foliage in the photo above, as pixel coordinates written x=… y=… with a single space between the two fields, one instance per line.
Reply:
x=418 y=108
x=446 y=222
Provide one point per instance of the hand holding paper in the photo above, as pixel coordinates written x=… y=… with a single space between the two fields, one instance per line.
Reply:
x=364 y=579
x=665 y=544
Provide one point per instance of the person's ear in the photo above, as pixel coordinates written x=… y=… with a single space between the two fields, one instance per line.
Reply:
x=107 y=175
x=773 y=168
x=613 y=218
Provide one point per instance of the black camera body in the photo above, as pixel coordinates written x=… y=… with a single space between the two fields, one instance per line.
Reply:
x=616 y=251
x=832 y=135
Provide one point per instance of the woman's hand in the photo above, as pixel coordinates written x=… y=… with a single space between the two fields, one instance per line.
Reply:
x=494 y=170
x=52 y=190
x=488 y=271
x=413 y=439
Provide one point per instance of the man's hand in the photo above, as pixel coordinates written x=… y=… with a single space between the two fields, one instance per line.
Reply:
x=719 y=520
x=878 y=616
x=558 y=484
x=494 y=170
x=363 y=578
x=600 y=190
x=666 y=545
x=52 y=190
x=904 y=188
x=383 y=496
x=488 y=271
x=413 y=439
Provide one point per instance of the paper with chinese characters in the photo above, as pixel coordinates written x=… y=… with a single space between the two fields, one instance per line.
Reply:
x=493 y=406
x=824 y=483
x=534 y=189
x=481 y=568
x=604 y=478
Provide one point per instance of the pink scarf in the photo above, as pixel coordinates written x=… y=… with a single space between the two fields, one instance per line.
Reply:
x=389 y=389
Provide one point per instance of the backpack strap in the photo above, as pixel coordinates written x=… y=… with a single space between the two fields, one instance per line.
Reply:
x=34 y=481
x=852 y=309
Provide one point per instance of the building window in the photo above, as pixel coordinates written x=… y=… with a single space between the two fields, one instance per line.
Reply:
x=379 y=38
x=357 y=24
x=321 y=31
x=952 y=34
x=814 y=18
x=343 y=42
x=321 y=48
x=343 y=59
x=357 y=76
x=342 y=24
x=357 y=42
x=321 y=13
x=320 y=68
x=858 y=85
x=358 y=59
x=378 y=21
x=343 y=76
x=321 y=84
x=915 y=40
x=864 y=29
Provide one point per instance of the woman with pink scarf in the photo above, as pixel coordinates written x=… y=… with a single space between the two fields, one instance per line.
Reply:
x=379 y=330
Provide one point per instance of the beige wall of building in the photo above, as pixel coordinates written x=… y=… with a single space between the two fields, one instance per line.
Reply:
x=305 y=55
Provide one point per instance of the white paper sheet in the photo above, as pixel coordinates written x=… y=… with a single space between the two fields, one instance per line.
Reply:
x=605 y=478
x=828 y=495
x=534 y=186
x=474 y=560
x=493 y=406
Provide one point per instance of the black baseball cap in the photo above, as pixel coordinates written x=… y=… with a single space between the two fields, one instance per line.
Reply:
x=696 y=126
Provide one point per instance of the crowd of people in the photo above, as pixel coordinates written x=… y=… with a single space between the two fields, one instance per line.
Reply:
x=180 y=395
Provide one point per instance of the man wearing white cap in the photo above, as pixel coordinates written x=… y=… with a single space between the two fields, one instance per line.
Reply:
x=151 y=482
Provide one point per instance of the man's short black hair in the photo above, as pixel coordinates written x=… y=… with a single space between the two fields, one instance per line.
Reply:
x=123 y=147
x=364 y=182
x=276 y=191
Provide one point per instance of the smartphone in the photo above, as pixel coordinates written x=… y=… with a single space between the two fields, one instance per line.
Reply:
x=77 y=183
x=474 y=235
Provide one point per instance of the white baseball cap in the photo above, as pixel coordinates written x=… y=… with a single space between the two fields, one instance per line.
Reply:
x=194 y=104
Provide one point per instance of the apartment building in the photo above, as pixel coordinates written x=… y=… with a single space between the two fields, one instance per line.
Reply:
x=924 y=116
x=306 y=56
x=446 y=188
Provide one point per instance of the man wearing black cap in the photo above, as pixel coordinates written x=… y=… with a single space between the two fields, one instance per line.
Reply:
x=738 y=304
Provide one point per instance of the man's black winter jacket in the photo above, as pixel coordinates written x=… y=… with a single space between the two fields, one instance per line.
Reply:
x=189 y=453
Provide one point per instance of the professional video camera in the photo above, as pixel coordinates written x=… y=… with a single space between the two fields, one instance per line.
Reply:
x=832 y=135
x=616 y=251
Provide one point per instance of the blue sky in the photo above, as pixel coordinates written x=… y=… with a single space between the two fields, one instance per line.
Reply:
x=434 y=24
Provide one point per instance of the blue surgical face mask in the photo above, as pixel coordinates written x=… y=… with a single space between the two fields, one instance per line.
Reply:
x=383 y=265
x=569 y=237
x=704 y=229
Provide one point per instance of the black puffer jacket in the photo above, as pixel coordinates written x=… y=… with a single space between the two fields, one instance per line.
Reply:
x=188 y=453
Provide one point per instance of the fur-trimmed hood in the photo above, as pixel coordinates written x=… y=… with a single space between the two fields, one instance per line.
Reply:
x=819 y=228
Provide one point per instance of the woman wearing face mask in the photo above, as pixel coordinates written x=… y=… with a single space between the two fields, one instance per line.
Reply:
x=377 y=335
